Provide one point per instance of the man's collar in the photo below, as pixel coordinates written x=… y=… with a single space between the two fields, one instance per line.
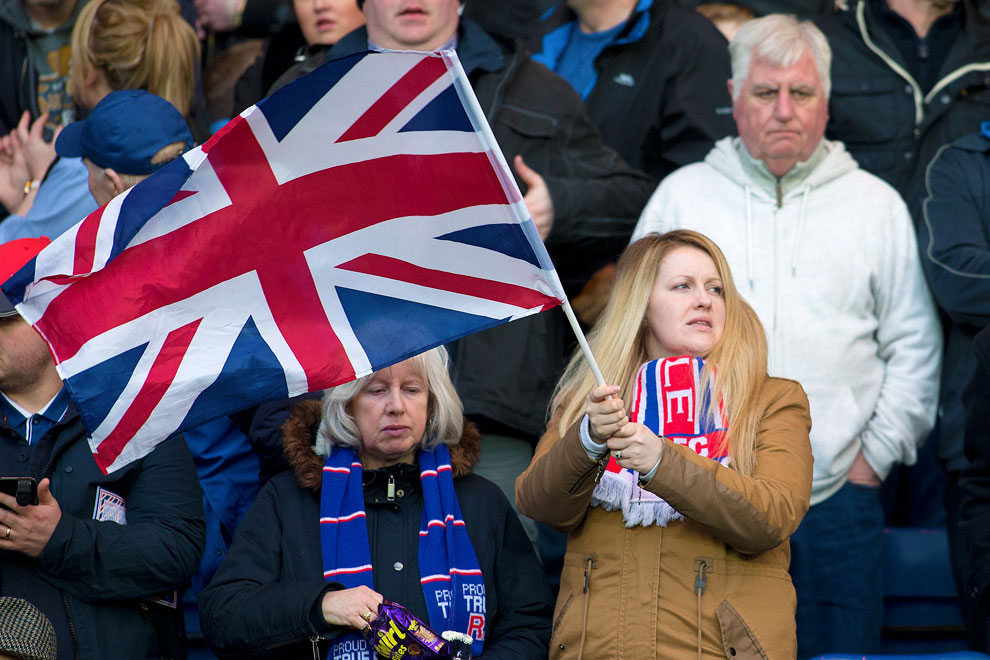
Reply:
x=54 y=410
x=761 y=175
x=475 y=48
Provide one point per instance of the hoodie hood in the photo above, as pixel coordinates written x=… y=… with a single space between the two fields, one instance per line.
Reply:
x=299 y=436
x=828 y=162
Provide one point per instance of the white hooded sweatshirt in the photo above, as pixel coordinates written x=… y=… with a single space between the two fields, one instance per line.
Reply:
x=827 y=257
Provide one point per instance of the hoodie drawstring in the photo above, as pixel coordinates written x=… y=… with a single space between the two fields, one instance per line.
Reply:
x=800 y=226
x=747 y=191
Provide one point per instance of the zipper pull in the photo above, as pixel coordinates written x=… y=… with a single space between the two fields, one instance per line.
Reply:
x=602 y=463
x=314 y=640
x=390 y=489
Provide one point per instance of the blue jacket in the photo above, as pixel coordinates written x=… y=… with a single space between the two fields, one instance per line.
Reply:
x=954 y=240
x=94 y=577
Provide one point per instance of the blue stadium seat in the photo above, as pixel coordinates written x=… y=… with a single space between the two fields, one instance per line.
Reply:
x=961 y=655
x=919 y=592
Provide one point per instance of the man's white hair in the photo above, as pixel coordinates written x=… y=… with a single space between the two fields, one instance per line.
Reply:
x=780 y=40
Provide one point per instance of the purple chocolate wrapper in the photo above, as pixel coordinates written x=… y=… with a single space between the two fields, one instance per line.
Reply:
x=398 y=635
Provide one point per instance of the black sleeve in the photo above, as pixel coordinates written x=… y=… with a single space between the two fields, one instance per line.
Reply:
x=249 y=610
x=952 y=234
x=696 y=108
x=974 y=480
x=156 y=551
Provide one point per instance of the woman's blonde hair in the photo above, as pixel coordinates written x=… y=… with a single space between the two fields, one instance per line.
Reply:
x=137 y=44
x=619 y=343
x=445 y=421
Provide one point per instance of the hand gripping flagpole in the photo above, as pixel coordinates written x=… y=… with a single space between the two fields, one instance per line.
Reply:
x=480 y=124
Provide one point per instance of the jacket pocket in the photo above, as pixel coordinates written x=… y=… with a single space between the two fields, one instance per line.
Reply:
x=570 y=616
x=869 y=107
x=532 y=134
x=738 y=639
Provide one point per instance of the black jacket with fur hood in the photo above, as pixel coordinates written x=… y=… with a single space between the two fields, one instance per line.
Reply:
x=264 y=602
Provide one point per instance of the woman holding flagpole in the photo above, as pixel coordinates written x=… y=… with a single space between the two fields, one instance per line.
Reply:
x=380 y=504
x=681 y=479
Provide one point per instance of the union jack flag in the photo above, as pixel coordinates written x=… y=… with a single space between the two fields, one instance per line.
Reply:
x=355 y=218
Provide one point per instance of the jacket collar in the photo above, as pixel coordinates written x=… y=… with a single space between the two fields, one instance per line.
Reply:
x=299 y=436
x=475 y=48
x=974 y=44
x=558 y=25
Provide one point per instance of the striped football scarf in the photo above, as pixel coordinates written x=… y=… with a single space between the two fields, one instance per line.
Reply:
x=453 y=586
x=664 y=400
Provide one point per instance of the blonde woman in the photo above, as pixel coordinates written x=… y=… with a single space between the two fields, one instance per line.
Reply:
x=133 y=44
x=681 y=480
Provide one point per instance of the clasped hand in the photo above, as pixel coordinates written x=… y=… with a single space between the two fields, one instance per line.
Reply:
x=632 y=445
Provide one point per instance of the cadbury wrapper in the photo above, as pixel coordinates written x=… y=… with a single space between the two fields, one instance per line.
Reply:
x=458 y=644
x=398 y=635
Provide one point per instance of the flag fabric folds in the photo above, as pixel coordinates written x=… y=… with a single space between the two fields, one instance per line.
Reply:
x=357 y=217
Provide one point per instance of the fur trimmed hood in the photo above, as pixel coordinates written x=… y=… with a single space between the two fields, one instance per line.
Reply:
x=299 y=435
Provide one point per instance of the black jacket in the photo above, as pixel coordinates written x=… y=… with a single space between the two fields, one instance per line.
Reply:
x=92 y=577
x=879 y=111
x=661 y=98
x=264 y=602
x=954 y=240
x=506 y=374
x=974 y=481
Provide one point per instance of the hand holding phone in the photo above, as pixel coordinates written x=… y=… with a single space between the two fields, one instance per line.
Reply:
x=27 y=528
x=23 y=489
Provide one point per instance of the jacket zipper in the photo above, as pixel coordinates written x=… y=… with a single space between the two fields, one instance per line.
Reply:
x=72 y=625
x=390 y=489
x=589 y=561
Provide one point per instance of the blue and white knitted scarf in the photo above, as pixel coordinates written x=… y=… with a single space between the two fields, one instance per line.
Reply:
x=453 y=586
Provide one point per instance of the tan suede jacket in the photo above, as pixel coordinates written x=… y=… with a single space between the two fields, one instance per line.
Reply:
x=633 y=592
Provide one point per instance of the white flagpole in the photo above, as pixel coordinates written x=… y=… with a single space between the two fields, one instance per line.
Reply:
x=576 y=327
x=477 y=118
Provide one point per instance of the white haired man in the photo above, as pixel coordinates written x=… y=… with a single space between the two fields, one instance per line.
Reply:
x=826 y=254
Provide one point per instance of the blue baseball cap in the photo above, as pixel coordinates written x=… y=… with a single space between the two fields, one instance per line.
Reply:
x=124 y=131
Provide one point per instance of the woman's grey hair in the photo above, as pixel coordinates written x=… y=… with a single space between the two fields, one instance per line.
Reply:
x=444 y=422
x=780 y=40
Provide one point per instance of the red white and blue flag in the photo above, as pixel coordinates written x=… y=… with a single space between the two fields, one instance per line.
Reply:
x=359 y=216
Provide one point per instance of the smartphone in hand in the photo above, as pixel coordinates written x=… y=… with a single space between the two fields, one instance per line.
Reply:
x=23 y=489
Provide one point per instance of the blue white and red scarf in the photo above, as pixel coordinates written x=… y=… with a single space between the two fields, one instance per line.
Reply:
x=664 y=400
x=448 y=566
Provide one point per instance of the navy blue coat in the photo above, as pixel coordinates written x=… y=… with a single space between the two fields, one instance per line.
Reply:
x=99 y=572
x=264 y=602
x=880 y=112
x=954 y=240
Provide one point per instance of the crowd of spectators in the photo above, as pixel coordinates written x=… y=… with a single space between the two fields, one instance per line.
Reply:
x=837 y=167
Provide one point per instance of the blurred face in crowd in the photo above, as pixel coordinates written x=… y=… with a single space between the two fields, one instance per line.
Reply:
x=24 y=357
x=686 y=312
x=411 y=24
x=781 y=112
x=391 y=414
x=326 y=21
